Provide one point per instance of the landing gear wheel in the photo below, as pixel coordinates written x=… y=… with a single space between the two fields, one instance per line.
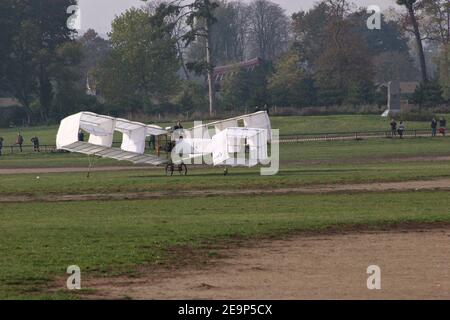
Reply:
x=183 y=169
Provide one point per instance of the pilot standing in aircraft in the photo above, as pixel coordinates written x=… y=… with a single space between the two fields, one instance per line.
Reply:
x=178 y=126
x=152 y=142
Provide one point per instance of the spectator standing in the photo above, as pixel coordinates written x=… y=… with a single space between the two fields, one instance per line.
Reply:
x=1 y=145
x=393 y=127
x=19 y=141
x=177 y=133
x=433 y=127
x=401 y=129
x=80 y=135
x=152 y=142
x=35 y=141
x=442 y=126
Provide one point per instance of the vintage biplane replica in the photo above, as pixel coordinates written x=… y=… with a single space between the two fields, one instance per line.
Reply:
x=239 y=141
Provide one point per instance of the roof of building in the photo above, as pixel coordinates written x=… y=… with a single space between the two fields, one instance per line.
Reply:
x=408 y=87
x=9 y=102
x=244 y=64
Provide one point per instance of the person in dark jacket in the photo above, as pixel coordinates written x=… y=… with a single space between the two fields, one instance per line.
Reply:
x=393 y=127
x=1 y=145
x=152 y=142
x=433 y=127
x=35 y=141
x=80 y=135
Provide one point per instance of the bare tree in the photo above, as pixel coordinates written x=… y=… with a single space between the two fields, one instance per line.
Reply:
x=437 y=14
x=178 y=30
x=338 y=8
x=411 y=7
x=241 y=26
x=269 y=29
x=231 y=32
x=198 y=16
x=229 y=35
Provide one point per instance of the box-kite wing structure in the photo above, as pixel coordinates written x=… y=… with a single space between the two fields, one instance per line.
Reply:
x=228 y=140
x=101 y=133
x=239 y=141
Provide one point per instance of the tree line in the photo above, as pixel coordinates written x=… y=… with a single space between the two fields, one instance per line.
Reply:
x=160 y=58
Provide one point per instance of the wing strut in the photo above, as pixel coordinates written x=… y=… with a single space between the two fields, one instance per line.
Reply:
x=92 y=158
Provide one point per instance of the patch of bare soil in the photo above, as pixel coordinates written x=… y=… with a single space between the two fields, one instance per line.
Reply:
x=356 y=160
x=375 y=159
x=438 y=184
x=73 y=169
x=415 y=264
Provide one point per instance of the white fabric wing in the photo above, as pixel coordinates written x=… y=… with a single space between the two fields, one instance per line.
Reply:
x=233 y=140
x=101 y=134
x=259 y=120
x=220 y=126
x=134 y=140
x=68 y=131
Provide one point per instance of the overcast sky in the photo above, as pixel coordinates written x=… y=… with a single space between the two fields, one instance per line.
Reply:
x=98 y=14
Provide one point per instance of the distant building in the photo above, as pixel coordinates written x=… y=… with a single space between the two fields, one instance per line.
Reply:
x=408 y=87
x=9 y=102
x=221 y=73
x=398 y=96
x=11 y=112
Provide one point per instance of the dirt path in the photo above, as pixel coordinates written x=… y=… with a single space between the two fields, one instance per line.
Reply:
x=438 y=184
x=358 y=160
x=73 y=169
x=369 y=160
x=414 y=265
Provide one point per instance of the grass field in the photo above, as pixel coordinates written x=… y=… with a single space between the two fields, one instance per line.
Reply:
x=336 y=124
x=331 y=151
x=38 y=240
x=210 y=179
x=287 y=125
